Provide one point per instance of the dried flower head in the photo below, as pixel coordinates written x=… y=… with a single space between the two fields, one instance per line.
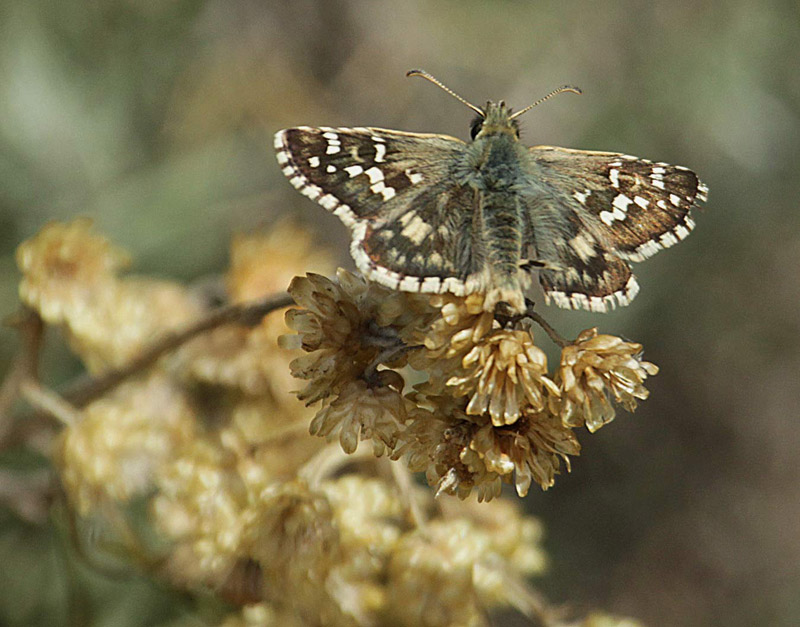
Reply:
x=504 y=375
x=447 y=573
x=69 y=277
x=124 y=439
x=265 y=263
x=248 y=357
x=363 y=411
x=202 y=507
x=333 y=328
x=601 y=619
x=461 y=452
x=448 y=335
x=297 y=544
x=595 y=370
x=63 y=266
x=262 y=615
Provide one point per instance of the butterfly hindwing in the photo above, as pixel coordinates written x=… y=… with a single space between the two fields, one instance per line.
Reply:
x=580 y=274
x=411 y=225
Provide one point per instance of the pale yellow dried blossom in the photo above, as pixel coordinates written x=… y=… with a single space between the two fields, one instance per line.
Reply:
x=338 y=328
x=369 y=516
x=265 y=263
x=127 y=318
x=203 y=507
x=365 y=411
x=249 y=358
x=296 y=542
x=122 y=442
x=451 y=334
x=263 y=615
x=515 y=537
x=601 y=619
x=69 y=277
x=269 y=444
x=595 y=370
x=531 y=449
x=448 y=573
x=504 y=374
x=461 y=453
x=63 y=266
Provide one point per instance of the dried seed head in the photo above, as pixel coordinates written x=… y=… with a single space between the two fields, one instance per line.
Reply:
x=595 y=370
x=504 y=374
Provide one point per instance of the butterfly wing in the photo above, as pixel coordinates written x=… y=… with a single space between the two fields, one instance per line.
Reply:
x=608 y=209
x=411 y=225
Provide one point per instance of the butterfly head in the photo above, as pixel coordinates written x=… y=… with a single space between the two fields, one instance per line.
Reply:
x=495 y=118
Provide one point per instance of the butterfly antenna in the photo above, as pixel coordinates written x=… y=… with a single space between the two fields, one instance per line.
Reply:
x=433 y=80
x=574 y=90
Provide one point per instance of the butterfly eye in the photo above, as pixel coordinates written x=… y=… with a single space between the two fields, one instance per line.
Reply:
x=475 y=127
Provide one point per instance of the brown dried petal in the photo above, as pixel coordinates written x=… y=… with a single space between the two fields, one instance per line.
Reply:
x=504 y=374
x=460 y=453
x=364 y=412
x=596 y=369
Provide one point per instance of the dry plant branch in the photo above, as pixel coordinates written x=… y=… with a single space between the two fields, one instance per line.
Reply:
x=23 y=377
x=249 y=314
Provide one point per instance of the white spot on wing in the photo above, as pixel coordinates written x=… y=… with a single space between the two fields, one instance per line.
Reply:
x=353 y=170
x=582 y=246
x=414 y=177
x=581 y=196
x=417 y=230
x=621 y=202
x=375 y=175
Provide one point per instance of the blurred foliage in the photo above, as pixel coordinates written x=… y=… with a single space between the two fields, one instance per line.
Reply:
x=155 y=119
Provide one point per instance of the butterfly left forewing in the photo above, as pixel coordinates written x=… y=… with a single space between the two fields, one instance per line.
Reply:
x=363 y=173
x=411 y=224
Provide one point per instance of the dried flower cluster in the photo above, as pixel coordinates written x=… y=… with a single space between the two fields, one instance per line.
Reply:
x=240 y=501
x=484 y=408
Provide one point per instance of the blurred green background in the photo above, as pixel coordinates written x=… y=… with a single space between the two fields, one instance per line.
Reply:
x=155 y=118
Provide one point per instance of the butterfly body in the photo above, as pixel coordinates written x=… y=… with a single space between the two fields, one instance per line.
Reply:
x=430 y=213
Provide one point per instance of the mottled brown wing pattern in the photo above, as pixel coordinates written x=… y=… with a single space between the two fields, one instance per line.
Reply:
x=411 y=225
x=619 y=209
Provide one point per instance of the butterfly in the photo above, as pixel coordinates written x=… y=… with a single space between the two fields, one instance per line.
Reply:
x=431 y=213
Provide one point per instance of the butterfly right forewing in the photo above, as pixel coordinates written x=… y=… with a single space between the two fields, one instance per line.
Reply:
x=633 y=206
x=608 y=209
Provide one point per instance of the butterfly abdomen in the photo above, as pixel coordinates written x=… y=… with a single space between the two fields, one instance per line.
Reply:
x=502 y=241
